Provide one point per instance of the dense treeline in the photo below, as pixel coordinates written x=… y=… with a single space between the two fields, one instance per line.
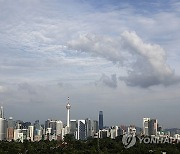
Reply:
x=91 y=146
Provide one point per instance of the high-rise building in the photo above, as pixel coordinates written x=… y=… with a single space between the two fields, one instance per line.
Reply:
x=38 y=131
x=145 y=126
x=59 y=127
x=3 y=125
x=100 y=120
x=37 y=125
x=73 y=127
x=95 y=127
x=30 y=133
x=10 y=129
x=3 y=128
x=11 y=122
x=81 y=132
x=152 y=127
x=25 y=133
x=47 y=124
x=10 y=133
x=88 y=128
x=52 y=125
x=68 y=106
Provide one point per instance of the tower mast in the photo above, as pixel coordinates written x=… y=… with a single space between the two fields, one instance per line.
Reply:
x=68 y=106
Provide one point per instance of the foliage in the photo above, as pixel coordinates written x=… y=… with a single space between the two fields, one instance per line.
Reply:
x=90 y=146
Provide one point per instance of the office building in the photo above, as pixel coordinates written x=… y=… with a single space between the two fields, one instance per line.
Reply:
x=52 y=125
x=145 y=126
x=30 y=133
x=10 y=123
x=100 y=120
x=10 y=134
x=47 y=124
x=73 y=127
x=88 y=128
x=152 y=127
x=3 y=125
x=95 y=127
x=59 y=127
x=81 y=131
x=37 y=125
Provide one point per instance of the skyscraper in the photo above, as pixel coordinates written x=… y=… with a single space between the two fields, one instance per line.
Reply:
x=3 y=125
x=152 y=127
x=81 y=133
x=100 y=120
x=59 y=127
x=88 y=127
x=145 y=126
x=95 y=127
x=68 y=106
x=37 y=125
x=30 y=134
x=10 y=129
x=52 y=125
x=73 y=127
x=11 y=122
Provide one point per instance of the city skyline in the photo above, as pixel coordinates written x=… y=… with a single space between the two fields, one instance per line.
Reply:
x=119 y=57
x=70 y=119
x=83 y=129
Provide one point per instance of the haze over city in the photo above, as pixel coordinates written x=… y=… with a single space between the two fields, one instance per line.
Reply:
x=121 y=57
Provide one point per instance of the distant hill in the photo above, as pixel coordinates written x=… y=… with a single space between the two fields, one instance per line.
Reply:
x=173 y=130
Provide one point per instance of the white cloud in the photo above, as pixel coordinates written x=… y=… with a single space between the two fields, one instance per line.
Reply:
x=150 y=67
x=33 y=37
x=103 y=46
x=147 y=65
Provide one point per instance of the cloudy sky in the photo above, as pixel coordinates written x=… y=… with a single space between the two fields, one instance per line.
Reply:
x=119 y=56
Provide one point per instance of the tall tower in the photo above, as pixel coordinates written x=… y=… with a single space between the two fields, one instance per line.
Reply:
x=100 y=120
x=68 y=106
